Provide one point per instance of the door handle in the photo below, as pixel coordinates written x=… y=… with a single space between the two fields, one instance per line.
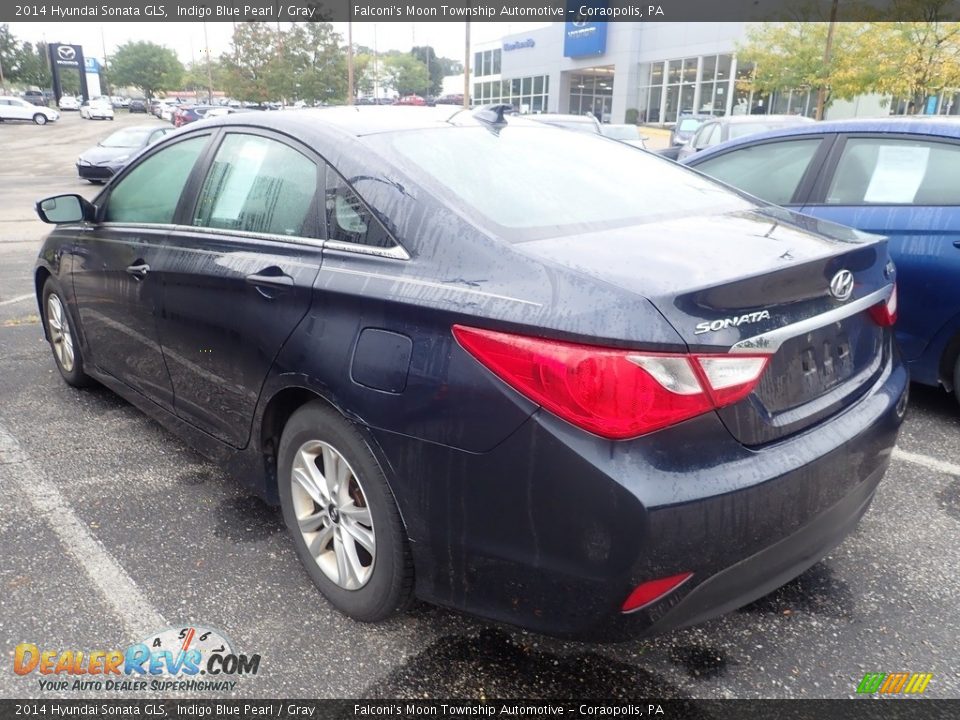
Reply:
x=138 y=271
x=956 y=243
x=273 y=281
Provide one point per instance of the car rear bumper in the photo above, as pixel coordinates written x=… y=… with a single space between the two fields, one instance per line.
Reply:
x=554 y=528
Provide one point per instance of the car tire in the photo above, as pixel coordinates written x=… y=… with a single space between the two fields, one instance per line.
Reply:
x=40 y=119
x=335 y=526
x=62 y=336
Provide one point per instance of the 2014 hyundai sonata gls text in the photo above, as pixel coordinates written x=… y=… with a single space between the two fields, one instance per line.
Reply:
x=535 y=375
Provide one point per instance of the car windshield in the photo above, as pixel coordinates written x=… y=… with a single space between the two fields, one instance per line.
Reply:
x=622 y=132
x=529 y=182
x=688 y=124
x=129 y=138
x=586 y=126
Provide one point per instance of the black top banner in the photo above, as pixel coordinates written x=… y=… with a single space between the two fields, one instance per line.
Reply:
x=574 y=11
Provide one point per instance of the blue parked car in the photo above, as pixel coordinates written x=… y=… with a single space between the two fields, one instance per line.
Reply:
x=898 y=177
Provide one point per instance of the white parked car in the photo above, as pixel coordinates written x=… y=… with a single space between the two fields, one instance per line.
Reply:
x=97 y=109
x=14 y=108
x=69 y=102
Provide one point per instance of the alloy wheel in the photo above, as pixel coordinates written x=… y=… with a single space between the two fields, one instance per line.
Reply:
x=60 y=336
x=333 y=515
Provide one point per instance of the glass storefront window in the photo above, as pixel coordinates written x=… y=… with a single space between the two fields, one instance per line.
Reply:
x=496 y=62
x=709 y=68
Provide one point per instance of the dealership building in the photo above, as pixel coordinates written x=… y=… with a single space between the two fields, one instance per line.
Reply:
x=658 y=69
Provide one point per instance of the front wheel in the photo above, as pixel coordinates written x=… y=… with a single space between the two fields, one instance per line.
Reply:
x=341 y=514
x=40 y=119
x=63 y=338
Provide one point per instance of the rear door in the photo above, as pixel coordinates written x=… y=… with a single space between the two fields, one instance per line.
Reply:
x=781 y=171
x=906 y=187
x=237 y=276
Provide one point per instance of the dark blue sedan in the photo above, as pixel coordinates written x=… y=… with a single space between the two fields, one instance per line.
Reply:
x=531 y=374
x=898 y=177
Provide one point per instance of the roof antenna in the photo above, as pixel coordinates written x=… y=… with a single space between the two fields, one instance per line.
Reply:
x=494 y=114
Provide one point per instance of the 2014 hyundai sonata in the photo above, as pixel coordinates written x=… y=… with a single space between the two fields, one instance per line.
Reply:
x=536 y=375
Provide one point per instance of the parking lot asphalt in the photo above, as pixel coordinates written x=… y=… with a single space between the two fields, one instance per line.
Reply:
x=112 y=529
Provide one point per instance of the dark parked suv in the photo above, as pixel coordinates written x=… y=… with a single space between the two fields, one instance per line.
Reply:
x=36 y=97
x=600 y=403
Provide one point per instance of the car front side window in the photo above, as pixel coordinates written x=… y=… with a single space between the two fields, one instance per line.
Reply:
x=151 y=191
x=257 y=184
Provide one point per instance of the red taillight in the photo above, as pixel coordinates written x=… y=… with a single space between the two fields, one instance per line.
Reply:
x=613 y=393
x=885 y=314
x=653 y=590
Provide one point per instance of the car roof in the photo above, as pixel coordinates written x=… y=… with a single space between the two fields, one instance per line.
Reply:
x=930 y=125
x=358 y=120
x=746 y=119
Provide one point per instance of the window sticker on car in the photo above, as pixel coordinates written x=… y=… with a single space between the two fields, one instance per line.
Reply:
x=897 y=176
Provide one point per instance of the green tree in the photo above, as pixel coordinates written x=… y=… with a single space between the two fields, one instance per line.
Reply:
x=789 y=56
x=406 y=74
x=146 y=65
x=438 y=67
x=313 y=64
x=250 y=61
x=34 y=68
x=913 y=60
x=9 y=54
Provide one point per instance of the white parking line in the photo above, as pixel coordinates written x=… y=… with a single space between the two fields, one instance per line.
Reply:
x=928 y=462
x=118 y=589
x=18 y=298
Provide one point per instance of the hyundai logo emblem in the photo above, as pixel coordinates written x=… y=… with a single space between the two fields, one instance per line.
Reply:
x=66 y=52
x=841 y=287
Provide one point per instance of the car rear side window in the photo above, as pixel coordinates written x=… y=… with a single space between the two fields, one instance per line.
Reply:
x=259 y=185
x=749 y=168
x=896 y=171
x=150 y=192
x=349 y=220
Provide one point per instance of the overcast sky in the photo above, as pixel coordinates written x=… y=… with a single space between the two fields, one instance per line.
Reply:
x=187 y=38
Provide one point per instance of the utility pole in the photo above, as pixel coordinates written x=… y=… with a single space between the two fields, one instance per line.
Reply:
x=3 y=83
x=376 y=72
x=466 y=67
x=105 y=71
x=350 y=91
x=206 y=42
x=827 y=50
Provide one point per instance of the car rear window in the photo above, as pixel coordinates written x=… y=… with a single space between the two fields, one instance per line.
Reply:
x=528 y=182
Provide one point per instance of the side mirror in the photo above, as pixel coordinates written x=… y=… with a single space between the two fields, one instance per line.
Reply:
x=65 y=209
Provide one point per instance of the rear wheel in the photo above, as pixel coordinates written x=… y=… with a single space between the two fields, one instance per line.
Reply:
x=342 y=516
x=40 y=119
x=63 y=337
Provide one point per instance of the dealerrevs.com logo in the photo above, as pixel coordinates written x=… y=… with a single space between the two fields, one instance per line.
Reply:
x=191 y=658
x=894 y=683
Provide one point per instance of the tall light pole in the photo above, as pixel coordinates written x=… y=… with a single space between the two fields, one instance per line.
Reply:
x=466 y=67
x=376 y=72
x=350 y=91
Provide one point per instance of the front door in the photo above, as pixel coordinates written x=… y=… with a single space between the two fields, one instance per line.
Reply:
x=118 y=296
